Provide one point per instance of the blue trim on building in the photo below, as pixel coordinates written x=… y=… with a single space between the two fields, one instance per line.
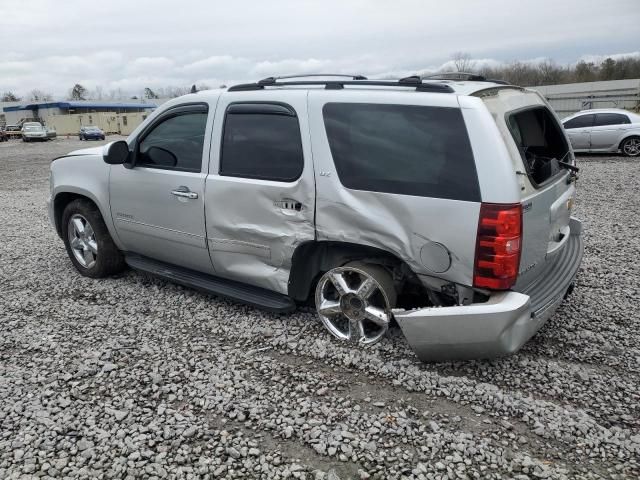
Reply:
x=80 y=105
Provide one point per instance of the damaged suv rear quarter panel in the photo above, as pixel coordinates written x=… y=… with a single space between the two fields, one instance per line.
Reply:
x=411 y=227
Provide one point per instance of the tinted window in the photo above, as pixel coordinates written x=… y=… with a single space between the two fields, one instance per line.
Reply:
x=580 y=122
x=258 y=145
x=611 y=119
x=405 y=149
x=182 y=136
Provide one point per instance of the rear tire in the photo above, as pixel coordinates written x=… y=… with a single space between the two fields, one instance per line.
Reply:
x=630 y=147
x=354 y=302
x=88 y=242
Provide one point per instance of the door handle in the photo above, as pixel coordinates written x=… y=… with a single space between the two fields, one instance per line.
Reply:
x=289 y=204
x=184 y=192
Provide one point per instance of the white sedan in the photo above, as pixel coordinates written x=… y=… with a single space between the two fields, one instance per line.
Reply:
x=609 y=130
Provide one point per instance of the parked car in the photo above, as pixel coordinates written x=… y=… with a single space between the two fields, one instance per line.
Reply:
x=443 y=204
x=13 y=131
x=32 y=131
x=51 y=133
x=91 y=133
x=604 y=130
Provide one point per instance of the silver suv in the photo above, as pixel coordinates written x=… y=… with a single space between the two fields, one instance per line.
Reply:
x=441 y=205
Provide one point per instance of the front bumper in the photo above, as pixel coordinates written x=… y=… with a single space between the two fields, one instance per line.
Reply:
x=499 y=326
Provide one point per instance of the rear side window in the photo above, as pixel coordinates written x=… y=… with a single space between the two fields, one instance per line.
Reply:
x=403 y=149
x=261 y=141
x=603 y=119
x=580 y=122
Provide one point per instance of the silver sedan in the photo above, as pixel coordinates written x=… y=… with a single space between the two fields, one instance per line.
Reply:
x=609 y=130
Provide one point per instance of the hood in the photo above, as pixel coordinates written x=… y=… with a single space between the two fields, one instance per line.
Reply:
x=87 y=151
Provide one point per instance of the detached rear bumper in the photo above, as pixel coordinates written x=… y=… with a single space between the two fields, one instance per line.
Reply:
x=499 y=326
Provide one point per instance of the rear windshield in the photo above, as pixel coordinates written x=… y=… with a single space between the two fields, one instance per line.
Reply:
x=402 y=149
x=541 y=142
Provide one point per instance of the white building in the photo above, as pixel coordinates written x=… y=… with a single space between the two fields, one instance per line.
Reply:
x=15 y=113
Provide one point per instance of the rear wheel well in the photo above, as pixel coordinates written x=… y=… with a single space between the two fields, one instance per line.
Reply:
x=627 y=138
x=59 y=204
x=310 y=260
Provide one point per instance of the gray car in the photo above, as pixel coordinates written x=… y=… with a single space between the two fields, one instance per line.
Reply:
x=605 y=130
x=444 y=205
x=34 y=131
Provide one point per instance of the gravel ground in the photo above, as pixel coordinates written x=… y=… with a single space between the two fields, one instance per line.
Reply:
x=136 y=377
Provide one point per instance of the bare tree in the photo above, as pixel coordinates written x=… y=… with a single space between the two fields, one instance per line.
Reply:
x=117 y=94
x=549 y=73
x=37 y=95
x=463 y=62
x=97 y=93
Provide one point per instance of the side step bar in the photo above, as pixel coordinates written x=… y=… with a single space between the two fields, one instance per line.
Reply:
x=240 y=292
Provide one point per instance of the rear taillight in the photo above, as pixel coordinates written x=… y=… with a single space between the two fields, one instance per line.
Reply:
x=498 y=246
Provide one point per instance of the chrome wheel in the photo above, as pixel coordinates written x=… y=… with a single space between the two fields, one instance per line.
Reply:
x=354 y=302
x=82 y=240
x=631 y=147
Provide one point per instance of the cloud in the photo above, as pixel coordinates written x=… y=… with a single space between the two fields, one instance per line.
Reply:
x=131 y=45
x=600 y=58
x=150 y=66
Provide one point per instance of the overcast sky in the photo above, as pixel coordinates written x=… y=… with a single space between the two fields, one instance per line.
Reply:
x=130 y=44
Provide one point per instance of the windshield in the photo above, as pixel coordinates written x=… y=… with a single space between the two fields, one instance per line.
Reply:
x=33 y=128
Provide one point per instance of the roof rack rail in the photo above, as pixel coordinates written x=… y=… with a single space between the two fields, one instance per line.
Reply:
x=270 y=80
x=463 y=76
x=412 y=82
x=456 y=76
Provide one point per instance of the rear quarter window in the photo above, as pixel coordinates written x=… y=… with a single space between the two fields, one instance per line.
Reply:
x=402 y=149
x=540 y=141
x=604 y=119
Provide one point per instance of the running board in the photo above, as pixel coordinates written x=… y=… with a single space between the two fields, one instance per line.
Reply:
x=240 y=292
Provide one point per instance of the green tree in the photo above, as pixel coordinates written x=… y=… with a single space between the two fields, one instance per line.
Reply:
x=148 y=93
x=584 y=72
x=78 y=92
x=10 y=97
x=608 y=69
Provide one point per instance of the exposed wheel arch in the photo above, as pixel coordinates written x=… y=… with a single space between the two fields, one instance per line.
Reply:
x=60 y=202
x=311 y=259
x=622 y=142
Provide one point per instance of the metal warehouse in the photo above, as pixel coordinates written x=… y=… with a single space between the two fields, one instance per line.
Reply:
x=569 y=98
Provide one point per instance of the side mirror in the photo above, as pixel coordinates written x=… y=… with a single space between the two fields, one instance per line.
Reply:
x=116 y=153
x=161 y=157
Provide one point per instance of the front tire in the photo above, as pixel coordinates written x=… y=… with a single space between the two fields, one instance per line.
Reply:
x=88 y=242
x=630 y=147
